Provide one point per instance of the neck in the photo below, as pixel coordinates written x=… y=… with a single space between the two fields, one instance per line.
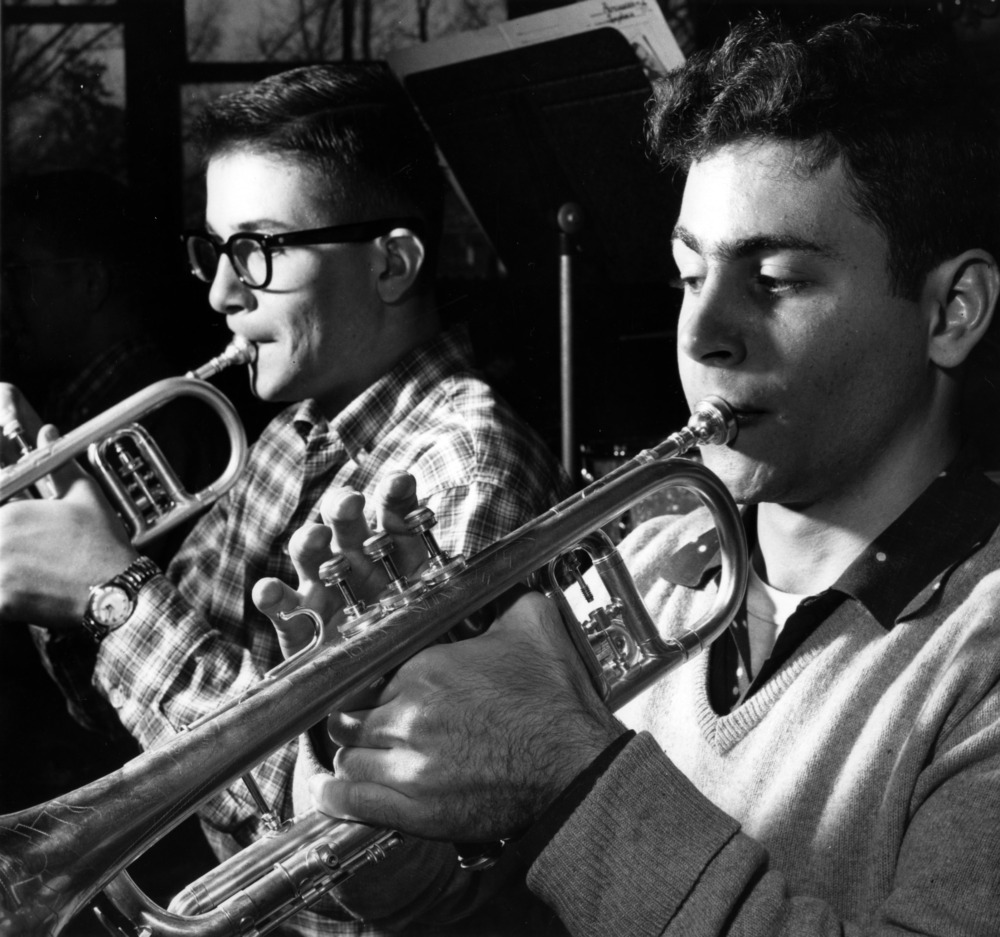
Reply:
x=405 y=330
x=805 y=548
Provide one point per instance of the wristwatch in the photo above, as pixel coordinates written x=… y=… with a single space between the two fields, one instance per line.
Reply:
x=111 y=603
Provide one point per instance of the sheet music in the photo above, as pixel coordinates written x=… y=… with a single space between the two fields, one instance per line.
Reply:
x=640 y=21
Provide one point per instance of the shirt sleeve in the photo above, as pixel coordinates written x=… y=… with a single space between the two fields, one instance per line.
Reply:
x=173 y=668
x=471 y=517
x=68 y=658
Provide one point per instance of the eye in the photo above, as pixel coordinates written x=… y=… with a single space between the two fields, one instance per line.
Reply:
x=690 y=284
x=273 y=247
x=779 y=286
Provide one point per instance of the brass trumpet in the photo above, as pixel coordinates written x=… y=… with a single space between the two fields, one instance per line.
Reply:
x=57 y=857
x=136 y=477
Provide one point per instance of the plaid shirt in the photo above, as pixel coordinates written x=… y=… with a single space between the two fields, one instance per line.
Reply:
x=196 y=638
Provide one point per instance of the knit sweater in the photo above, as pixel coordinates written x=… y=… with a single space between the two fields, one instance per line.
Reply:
x=857 y=791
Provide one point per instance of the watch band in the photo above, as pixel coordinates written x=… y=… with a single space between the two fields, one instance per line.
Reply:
x=131 y=579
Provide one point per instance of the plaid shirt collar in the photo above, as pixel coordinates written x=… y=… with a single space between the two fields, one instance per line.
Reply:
x=902 y=568
x=377 y=409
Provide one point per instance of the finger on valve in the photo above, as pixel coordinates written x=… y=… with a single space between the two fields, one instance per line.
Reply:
x=310 y=552
x=21 y=433
x=395 y=497
x=342 y=509
x=16 y=442
x=15 y=409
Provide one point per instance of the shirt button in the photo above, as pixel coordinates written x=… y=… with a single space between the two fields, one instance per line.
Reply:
x=116 y=697
x=880 y=556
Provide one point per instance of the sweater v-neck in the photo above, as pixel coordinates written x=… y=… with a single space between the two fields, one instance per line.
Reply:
x=723 y=731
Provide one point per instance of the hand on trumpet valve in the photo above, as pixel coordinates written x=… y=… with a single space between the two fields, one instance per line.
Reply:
x=53 y=549
x=19 y=425
x=343 y=533
x=344 y=511
x=470 y=741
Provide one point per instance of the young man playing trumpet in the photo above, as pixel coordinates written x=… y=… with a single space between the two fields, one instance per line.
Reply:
x=324 y=202
x=832 y=764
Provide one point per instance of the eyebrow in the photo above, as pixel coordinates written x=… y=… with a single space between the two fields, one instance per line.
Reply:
x=251 y=227
x=757 y=244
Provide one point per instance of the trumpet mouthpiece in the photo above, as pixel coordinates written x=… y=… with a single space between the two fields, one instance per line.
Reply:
x=713 y=422
x=238 y=351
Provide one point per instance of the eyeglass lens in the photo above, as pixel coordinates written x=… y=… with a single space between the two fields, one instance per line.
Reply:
x=247 y=255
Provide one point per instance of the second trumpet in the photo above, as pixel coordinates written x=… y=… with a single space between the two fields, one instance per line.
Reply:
x=126 y=460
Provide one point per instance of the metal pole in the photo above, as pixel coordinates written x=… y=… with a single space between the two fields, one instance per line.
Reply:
x=570 y=221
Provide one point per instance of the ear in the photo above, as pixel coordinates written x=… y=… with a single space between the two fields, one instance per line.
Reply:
x=404 y=259
x=962 y=293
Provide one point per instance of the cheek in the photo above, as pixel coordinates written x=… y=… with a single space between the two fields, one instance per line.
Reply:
x=691 y=376
x=856 y=386
x=820 y=354
x=300 y=324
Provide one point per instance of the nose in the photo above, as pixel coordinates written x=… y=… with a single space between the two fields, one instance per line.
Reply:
x=228 y=294
x=711 y=329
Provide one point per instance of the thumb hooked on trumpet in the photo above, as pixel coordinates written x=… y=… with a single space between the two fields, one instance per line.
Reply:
x=308 y=547
x=272 y=598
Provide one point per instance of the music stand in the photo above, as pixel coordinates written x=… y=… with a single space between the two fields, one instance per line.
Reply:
x=528 y=131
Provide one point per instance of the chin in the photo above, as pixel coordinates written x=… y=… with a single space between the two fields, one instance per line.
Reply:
x=271 y=390
x=268 y=394
x=749 y=480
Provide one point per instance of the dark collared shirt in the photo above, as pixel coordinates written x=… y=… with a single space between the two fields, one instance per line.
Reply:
x=895 y=576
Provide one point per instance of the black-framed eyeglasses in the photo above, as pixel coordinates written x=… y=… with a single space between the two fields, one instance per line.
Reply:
x=250 y=252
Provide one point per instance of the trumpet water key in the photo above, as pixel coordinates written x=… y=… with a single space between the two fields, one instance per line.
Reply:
x=62 y=855
x=136 y=477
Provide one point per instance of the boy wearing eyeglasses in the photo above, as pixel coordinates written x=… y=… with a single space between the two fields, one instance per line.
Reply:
x=323 y=212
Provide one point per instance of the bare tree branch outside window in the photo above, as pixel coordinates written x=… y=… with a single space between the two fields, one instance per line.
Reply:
x=62 y=102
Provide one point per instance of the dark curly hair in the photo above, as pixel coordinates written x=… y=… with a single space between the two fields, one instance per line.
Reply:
x=917 y=132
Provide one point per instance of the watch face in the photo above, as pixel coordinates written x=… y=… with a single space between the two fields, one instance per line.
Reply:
x=110 y=606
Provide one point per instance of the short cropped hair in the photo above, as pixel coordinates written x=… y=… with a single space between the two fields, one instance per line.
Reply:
x=916 y=130
x=351 y=123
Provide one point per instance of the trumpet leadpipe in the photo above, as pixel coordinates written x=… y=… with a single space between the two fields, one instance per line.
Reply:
x=238 y=351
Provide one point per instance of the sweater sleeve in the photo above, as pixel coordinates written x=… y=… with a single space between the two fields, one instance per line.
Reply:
x=625 y=861
x=647 y=854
